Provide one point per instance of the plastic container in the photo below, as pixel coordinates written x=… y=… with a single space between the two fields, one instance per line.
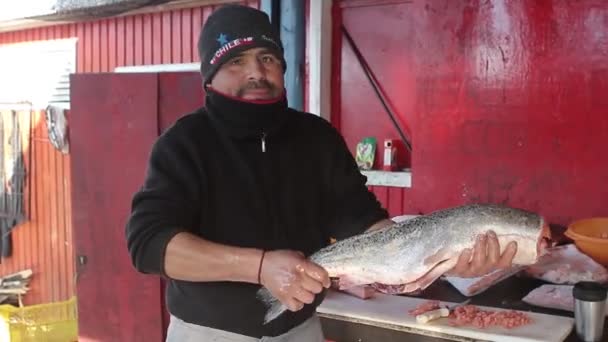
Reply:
x=591 y=237
x=52 y=322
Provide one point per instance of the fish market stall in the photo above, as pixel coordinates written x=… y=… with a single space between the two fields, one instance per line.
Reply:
x=346 y=318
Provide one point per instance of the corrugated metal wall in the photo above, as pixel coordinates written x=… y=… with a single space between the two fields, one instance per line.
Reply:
x=44 y=243
x=153 y=38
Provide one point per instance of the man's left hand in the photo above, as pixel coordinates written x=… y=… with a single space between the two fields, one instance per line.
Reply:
x=484 y=258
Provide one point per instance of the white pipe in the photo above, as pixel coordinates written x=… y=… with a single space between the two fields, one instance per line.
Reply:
x=319 y=58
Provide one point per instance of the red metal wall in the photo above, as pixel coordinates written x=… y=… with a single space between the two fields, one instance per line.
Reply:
x=144 y=39
x=45 y=243
x=505 y=100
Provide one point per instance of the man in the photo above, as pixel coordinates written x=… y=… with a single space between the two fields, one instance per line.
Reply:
x=238 y=193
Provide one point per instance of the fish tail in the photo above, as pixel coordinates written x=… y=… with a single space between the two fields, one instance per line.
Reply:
x=275 y=307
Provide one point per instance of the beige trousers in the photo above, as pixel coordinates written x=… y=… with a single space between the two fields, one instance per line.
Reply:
x=180 y=331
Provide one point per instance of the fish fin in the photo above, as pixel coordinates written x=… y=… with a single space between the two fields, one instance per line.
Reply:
x=416 y=286
x=441 y=255
x=436 y=272
x=274 y=306
x=275 y=310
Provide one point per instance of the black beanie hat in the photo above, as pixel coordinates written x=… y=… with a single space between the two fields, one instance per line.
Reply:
x=232 y=29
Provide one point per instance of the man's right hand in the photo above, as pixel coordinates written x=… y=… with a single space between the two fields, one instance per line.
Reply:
x=292 y=279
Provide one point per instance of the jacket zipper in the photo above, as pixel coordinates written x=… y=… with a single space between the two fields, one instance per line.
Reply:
x=278 y=234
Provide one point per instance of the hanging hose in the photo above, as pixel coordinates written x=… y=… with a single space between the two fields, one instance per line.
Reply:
x=374 y=82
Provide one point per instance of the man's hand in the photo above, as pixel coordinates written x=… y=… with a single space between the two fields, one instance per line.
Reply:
x=484 y=258
x=292 y=279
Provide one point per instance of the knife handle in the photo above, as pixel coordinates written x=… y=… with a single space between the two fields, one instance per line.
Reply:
x=432 y=315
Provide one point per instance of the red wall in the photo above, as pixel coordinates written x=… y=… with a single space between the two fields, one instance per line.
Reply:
x=43 y=242
x=143 y=39
x=506 y=101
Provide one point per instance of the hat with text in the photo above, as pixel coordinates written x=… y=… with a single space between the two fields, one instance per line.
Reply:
x=232 y=29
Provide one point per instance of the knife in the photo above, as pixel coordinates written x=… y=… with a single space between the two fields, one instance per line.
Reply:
x=439 y=313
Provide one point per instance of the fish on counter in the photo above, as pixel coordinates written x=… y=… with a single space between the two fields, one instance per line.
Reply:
x=471 y=286
x=409 y=256
x=567 y=265
x=553 y=297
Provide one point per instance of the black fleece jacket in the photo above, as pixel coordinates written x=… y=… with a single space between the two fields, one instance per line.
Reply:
x=257 y=175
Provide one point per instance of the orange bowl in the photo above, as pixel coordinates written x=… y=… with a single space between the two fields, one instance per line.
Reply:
x=591 y=237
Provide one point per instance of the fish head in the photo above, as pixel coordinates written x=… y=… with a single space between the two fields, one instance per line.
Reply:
x=545 y=240
x=530 y=247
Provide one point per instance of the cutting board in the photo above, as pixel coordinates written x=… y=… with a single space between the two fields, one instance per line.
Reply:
x=392 y=312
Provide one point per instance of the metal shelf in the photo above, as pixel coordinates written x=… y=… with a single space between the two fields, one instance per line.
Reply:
x=398 y=179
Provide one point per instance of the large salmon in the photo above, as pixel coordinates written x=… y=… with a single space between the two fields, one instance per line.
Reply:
x=409 y=256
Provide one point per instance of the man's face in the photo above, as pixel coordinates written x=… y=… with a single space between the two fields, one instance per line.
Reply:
x=255 y=74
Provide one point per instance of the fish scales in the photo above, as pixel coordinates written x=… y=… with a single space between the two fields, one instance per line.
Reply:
x=408 y=256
